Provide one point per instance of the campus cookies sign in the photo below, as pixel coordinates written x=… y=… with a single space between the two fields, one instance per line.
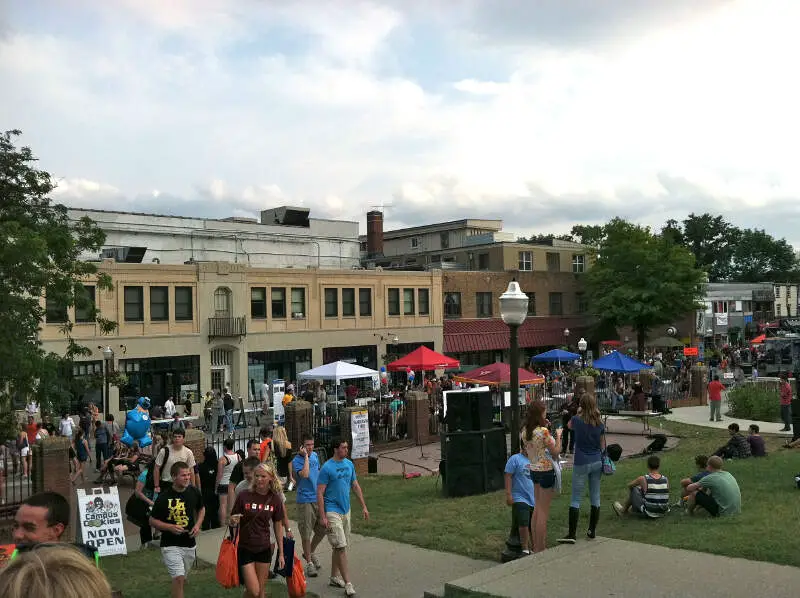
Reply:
x=101 y=520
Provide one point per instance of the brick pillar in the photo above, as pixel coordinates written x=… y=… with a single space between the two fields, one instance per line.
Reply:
x=698 y=387
x=196 y=441
x=51 y=474
x=584 y=383
x=345 y=419
x=418 y=415
x=299 y=421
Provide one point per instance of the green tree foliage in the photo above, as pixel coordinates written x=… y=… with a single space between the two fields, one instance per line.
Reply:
x=641 y=279
x=543 y=239
x=40 y=254
x=759 y=257
x=593 y=235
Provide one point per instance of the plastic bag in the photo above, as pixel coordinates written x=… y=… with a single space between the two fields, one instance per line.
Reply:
x=297 y=582
x=228 y=562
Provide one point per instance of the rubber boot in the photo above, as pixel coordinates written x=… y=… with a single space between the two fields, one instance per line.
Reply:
x=594 y=517
x=574 y=513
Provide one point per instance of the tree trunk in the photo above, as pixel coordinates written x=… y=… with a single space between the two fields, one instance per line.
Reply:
x=640 y=334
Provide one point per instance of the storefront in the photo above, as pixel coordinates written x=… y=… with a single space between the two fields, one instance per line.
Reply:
x=159 y=378
x=363 y=355
x=266 y=366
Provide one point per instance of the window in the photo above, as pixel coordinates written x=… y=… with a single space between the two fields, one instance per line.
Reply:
x=553 y=262
x=483 y=261
x=582 y=303
x=159 y=304
x=331 y=303
x=414 y=242
x=720 y=307
x=483 y=305
x=298 y=302
x=556 y=308
x=55 y=311
x=85 y=313
x=278 y=301
x=525 y=261
x=258 y=302
x=452 y=305
x=531 y=304
x=222 y=302
x=183 y=303
x=349 y=303
x=424 y=301
x=364 y=302
x=777 y=292
x=134 y=304
x=578 y=263
x=778 y=309
x=408 y=302
x=394 y=302
x=444 y=240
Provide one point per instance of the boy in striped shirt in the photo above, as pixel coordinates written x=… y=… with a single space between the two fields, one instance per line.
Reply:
x=649 y=493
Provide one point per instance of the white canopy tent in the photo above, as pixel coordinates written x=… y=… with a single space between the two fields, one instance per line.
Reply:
x=338 y=371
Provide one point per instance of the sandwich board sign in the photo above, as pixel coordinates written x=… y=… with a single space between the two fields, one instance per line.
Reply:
x=100 y=520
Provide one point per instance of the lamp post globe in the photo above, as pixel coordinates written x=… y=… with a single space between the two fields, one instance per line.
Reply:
x=582 y=345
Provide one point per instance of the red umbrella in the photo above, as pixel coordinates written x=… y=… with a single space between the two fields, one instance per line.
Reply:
x=425 y=359
x=758 y=340
x=498 y=373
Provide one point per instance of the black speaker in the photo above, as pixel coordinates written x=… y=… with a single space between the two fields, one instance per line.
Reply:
x=474 y=462
x=469 y=411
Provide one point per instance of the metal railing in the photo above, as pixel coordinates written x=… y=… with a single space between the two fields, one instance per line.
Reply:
x=13 y=487
x=227 y=326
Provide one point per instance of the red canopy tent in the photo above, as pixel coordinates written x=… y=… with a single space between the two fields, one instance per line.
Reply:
x=424 y=359
x=497 y=374
x=758 y=340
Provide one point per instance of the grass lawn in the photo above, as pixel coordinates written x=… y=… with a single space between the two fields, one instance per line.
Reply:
x=415 y=512
x=141 y=574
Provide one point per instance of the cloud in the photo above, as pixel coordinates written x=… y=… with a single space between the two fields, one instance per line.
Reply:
x=544 y=114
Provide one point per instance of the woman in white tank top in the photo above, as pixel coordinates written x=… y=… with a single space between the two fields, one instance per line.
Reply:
x=225 y=466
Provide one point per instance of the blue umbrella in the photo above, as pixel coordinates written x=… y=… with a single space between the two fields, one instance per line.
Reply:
x=617 y=362
x=556 y=355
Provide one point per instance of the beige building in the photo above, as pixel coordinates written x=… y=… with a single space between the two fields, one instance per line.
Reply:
x=190 y=328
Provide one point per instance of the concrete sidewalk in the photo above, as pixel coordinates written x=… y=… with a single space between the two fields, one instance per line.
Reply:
x=698 y=416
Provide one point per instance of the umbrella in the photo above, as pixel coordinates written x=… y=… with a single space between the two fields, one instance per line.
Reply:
x=424 y=359
x=338 y=371
x=617 y=362
x=556 y=355
x=497 y=374
x=759 y=339
x=664 y=342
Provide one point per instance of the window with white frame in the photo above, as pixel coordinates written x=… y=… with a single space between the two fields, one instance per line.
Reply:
x=525 y=261
x=578 y=263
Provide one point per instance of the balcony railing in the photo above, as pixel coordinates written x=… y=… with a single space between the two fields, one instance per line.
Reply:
x=227 y=326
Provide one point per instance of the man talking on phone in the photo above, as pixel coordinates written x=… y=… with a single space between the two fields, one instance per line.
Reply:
x=306 y=471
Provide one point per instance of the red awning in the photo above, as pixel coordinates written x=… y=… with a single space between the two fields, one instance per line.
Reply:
x=498 y=373
x=425 y=359
x=470 y=336
x=759 y=339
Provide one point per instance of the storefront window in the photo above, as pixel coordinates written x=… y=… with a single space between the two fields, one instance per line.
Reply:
x=266 y=366
x=159 y=378
x=365 y=355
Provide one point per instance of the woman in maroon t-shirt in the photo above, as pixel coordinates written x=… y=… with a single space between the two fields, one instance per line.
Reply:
x=253 y=512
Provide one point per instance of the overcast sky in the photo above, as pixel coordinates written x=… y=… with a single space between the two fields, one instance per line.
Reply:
x=544 y=113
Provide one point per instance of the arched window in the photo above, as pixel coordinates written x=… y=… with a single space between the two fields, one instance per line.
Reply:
x=222 y=302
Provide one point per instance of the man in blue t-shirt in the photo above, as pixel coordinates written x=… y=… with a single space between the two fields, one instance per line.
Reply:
x=519 y=496
x=306 y=471
x=335 y=480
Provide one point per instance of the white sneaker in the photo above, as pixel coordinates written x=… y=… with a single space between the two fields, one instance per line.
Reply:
x=311 y=570
x=618 y=508
x=336 y=582
x=315 y=560
x=349 y=590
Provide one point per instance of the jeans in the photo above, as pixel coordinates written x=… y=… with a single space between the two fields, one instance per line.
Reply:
x=229 y=420
x=617 y=401
x=100 y=449
x=716 y=410
x=786 y=415
x=580 y=473
x=216 y=417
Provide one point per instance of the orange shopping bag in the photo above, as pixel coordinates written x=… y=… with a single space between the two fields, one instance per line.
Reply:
x=297 y=582
x=228 y=562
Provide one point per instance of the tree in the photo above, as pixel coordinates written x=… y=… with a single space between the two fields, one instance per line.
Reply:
x=588 y=234
x=544 y=239
x=40 y=255
x=712 y=240
x=642 y=280
x=759 y=257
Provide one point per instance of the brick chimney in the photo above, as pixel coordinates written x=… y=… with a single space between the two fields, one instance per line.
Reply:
x=374 y=233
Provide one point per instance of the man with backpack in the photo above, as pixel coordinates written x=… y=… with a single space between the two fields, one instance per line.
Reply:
x=177 y=452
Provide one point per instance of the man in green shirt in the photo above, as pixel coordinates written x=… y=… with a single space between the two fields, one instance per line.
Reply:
x=718 y=492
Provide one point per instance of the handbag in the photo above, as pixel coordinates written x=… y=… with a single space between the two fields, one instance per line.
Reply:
x=608 y=465
x=137 y=511
x=228 y=561
x=296 y=584
x=288 y=559
x=556 y=470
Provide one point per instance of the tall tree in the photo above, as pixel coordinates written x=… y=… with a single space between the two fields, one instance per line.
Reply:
x=759 y=257
x=588 y=234
x=39 y=255
x=673 y=232
x=642 y=280
x=712 y=240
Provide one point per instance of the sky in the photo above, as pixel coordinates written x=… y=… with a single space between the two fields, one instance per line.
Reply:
x=545 y=113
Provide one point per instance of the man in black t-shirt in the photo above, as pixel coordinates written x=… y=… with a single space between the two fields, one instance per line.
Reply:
x=178 y=514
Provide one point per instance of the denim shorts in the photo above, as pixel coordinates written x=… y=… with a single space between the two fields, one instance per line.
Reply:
x=523 y=513
x=545 y=479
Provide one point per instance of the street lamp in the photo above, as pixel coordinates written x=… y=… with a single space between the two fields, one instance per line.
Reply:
x=108 y=363
x=582 y=345
x=566 y=337
x=513 y=311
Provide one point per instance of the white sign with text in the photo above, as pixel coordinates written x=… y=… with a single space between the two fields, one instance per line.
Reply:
x=100 y=520
x=359 y=427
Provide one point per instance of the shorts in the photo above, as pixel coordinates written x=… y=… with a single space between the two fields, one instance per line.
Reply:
x=523 y=513
x=222 y=489
x=245 y=557
x=308 y=520
x=24 y=451
x=545 y=479
x=707 y=501
x=178 y=559
x=338 y=529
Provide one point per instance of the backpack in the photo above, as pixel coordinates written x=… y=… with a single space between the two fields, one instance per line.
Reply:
x=658 y=444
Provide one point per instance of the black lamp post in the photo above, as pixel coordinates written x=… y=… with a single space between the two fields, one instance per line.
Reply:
x=513 y=311
x=108 y=363
x=582 y=345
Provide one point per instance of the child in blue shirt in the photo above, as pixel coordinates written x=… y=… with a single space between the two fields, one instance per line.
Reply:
x=519 y=496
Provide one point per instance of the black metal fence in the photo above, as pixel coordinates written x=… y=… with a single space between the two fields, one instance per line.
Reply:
x=14 y=487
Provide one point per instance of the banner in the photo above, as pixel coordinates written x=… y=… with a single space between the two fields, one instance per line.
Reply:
x=359 y=427
x=722 y=319
x=100 y=520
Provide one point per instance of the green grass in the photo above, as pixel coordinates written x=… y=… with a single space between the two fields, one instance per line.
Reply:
x=414 y=511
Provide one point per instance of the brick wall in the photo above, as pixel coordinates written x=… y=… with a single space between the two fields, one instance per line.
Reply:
x=196 y=441
x=418 y=415
x=51 y=474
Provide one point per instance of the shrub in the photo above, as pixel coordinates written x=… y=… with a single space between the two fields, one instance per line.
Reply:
x=754 y=401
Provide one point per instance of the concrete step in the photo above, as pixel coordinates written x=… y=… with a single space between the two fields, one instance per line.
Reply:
x=434 y=593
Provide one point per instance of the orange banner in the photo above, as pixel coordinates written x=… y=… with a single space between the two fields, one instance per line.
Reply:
x=691 y=351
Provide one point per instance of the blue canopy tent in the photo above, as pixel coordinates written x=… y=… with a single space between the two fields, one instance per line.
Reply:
x=555 y=355
x=617 y=362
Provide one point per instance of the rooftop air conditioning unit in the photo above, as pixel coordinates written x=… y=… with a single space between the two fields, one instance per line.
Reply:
x=297 y=315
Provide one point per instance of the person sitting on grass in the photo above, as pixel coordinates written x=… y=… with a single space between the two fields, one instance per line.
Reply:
x=519 y=496
x=649 y=493
x=702 y=463
x=757 y=446
x=737 y=447
x=718 y=492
